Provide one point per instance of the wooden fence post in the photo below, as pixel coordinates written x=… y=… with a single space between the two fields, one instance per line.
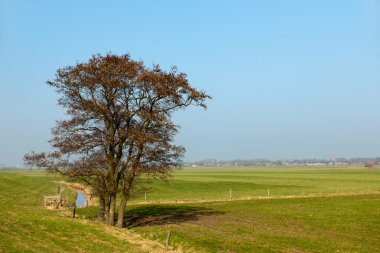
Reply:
x=59 y=204
x=75 y=207
x=168 y=239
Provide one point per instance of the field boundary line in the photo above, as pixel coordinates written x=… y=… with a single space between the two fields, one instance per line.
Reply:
x=87 y=190
x=315 y=195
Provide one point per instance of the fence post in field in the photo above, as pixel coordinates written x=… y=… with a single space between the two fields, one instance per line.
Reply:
x=59 y=203
x=168 y=238
x=145 y=195
x=58 y=189
x=230 y=193
x=268 y=192
x=75 y=207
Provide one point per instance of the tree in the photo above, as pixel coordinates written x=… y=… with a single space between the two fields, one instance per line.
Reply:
x=370 y=164
x=119 y=126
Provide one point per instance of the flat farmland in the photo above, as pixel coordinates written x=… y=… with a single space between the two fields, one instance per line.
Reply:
x=309 y=209
x=322 y=224
x=224 y=183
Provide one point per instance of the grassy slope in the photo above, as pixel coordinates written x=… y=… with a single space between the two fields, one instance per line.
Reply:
x=25 y=226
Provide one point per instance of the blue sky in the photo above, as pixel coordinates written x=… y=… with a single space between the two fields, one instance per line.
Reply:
x=289 y=79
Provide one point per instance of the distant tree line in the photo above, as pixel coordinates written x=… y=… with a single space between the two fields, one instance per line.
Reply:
x=268 y=162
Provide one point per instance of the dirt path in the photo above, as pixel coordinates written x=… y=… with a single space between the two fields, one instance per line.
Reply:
x=133 y=238
x=136 y=239
x=76 y=186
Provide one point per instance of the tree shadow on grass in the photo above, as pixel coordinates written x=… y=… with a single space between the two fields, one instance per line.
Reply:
x=160 y=215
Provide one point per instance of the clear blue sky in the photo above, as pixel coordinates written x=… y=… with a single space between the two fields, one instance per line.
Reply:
x=290 y=79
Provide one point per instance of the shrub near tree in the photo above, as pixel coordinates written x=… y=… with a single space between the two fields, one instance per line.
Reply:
x=119 y=126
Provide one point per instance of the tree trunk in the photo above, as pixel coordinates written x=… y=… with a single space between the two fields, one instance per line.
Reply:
x=106 y=208
x=123 y=203
x=111 y=214
x=120 y=212
x=102 y=206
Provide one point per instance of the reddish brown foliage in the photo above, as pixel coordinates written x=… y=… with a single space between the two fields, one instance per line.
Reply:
x=119 y=125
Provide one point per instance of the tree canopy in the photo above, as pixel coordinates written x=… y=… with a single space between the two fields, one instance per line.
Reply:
x=118 y=126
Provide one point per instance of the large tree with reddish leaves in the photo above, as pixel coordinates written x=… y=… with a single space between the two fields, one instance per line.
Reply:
x=119 y=126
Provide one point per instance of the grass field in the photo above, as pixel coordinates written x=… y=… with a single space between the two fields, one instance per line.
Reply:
x=330 y=210
x=211 y=183
x=27 y=227
x=345 y=224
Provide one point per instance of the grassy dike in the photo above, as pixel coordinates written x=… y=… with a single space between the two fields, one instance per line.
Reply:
x=25 y=226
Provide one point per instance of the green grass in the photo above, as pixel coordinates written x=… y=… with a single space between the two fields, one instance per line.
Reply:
x=331 y=224
x=322 y=224
x=25 y=226
x=215 y=183
x=339 y=223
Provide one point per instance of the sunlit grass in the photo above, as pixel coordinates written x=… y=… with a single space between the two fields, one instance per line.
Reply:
x=25 y=226
x=220 y=183
x=348 y=223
